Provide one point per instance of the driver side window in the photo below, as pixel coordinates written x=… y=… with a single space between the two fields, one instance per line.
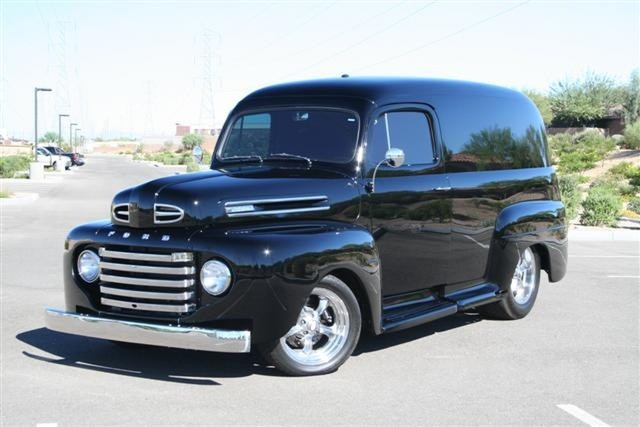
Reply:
x=407 y=130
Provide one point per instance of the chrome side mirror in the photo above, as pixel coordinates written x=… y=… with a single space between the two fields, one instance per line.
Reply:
x=394 y=157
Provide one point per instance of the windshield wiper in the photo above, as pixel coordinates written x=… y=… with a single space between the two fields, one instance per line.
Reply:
x=248 y=157
x=290 y=156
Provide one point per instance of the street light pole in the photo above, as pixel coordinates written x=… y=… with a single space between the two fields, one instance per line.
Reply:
x=71 y=125
x=60 y=116
x=75 y=139
x=35 y=96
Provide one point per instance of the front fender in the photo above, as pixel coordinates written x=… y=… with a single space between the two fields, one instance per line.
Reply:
x=277 y=266
x=539 y=223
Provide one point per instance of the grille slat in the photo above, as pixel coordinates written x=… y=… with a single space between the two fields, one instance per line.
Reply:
x=162 y=296
x=164 y=308
x=147 y=282
x=134 y=256
x=157 y=283
x=132 y=268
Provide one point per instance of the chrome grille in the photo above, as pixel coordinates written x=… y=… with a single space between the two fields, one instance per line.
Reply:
x=166 y=214
x=147 y=282
x=121 y=212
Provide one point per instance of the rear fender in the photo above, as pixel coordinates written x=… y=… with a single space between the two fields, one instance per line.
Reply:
x=539 y=224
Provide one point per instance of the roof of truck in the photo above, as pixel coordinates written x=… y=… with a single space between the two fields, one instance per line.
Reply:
x=376 y=89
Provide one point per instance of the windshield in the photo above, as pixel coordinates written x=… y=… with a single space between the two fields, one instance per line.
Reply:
x=292 y=134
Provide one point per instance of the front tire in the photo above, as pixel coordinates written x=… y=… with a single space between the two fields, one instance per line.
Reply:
x=325 y=334
x=522 y=292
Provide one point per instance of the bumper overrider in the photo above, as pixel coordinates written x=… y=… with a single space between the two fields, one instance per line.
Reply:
x=191 y=338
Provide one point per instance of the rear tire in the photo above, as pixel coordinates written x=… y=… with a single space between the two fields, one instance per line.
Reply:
x=522 y=292
x=323 y=337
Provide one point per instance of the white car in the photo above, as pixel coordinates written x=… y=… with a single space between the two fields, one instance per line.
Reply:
x=51 y=160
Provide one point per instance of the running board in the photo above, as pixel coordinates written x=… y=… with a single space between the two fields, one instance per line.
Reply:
x=417 y=315
x=484 y=293
x=399 y=316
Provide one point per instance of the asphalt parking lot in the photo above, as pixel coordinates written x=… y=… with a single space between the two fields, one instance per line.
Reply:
x=575 y=356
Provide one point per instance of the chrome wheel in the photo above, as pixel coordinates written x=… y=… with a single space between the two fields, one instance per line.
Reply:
x=321 y=331
x=524 y=279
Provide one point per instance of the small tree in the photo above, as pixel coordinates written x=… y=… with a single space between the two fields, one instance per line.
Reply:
x=191 y=140
x=632 y=98
x=543 y=104
x=583 y=101
x=50 y=137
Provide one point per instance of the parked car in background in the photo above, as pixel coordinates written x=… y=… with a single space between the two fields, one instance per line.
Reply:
x=51 y=160
x=75 y=158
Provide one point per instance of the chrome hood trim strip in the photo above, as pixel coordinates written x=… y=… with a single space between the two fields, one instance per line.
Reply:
x=258 y=207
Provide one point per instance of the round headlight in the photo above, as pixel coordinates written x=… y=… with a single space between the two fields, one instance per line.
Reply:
x=215 y=277
x=89 y=266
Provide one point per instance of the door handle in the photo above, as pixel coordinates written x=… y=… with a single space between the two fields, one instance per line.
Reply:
x=442 y=189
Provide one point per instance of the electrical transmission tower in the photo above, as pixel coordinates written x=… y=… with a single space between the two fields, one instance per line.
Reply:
x=207 y=118
x=58 y=45
x=148 y=119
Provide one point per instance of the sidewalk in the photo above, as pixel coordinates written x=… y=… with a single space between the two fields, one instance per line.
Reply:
x=578 y=233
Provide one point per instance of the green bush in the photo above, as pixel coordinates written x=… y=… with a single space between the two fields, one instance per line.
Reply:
x=193 y=167
x=632 y=135
x=623 y=170
x=595 y=142
x=601 y=207
x=634 y=205
x=570 y=194
x=580 y=152
x=10 y=165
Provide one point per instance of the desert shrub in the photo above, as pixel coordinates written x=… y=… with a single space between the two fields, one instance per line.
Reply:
x=192 y=167
x=167 y=145
x=580 y=152
x=596 y=143
x=623 y=169
x=632 y=135
x=570 y=194
x=634 y=205
x=10 y=165
x=601 y=207
x=139 y=148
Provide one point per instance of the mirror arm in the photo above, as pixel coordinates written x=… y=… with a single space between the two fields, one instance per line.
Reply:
x=371 y=187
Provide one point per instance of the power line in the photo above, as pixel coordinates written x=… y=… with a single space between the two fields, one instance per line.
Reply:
x=265 y=48
x=448 y=36
x=369 y=37
x=341 y=33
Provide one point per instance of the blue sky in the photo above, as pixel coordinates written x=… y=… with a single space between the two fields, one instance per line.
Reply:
x=134 y=68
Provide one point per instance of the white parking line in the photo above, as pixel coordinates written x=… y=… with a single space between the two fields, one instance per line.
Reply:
x=47 y=425
x=583 y=415
x=623 y=277
x=604 y=256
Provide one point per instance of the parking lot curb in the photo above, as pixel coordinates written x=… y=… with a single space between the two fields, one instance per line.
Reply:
x=586 y=234
x=19 y=198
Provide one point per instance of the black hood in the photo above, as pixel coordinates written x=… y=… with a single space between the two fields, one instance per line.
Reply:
x=237 y=194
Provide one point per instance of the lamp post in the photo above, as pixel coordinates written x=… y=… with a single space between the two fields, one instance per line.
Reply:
x=71 y=125
x=35 y=96
x=60 y=116
x=75 y=140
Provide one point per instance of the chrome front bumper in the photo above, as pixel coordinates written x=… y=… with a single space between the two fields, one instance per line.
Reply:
x=220 y=340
